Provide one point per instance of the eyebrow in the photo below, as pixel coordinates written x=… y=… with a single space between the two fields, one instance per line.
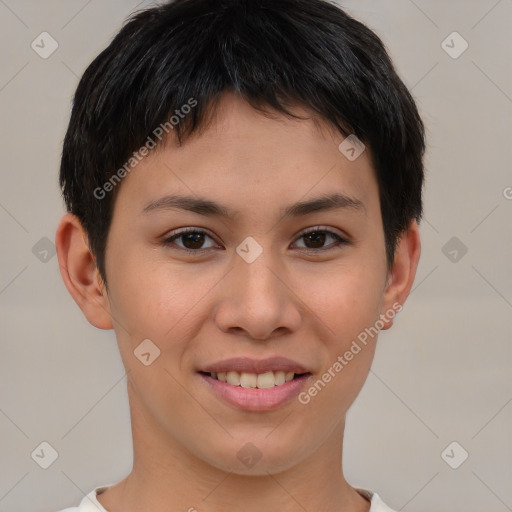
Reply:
x=210 y=208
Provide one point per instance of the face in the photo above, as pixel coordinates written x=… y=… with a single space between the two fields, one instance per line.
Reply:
x=259 y=284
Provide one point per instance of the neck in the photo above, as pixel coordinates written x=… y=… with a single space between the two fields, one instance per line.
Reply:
x=166 y=477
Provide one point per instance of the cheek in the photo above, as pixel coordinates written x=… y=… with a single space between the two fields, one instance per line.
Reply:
x=345 y=301
x=149 y=296
x=157 y=300
x=348 y=306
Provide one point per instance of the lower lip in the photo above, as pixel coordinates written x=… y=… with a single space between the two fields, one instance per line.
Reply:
x=254 y=399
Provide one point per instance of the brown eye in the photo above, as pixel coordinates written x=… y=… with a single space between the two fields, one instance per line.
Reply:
x=192 y=240
x=316 y=238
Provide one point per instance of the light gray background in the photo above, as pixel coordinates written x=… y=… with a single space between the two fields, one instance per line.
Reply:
x=442 y=374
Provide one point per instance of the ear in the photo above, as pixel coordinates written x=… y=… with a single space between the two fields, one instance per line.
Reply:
x=79 y=272
x=401 y=276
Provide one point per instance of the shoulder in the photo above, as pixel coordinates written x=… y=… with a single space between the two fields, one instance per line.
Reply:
x=376 y=503
x=89 y=502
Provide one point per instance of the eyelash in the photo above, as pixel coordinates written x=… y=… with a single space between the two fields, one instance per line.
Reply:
x=339 y=240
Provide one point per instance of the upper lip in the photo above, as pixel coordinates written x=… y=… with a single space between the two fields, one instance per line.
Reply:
x=248 y=365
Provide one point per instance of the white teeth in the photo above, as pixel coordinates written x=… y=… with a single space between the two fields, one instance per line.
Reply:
x=248 y=380
x=279 y=378
x=233 y=378
x=266 y=380
x=252 y=380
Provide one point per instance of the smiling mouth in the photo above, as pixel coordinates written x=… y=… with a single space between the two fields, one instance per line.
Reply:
x=264 y=380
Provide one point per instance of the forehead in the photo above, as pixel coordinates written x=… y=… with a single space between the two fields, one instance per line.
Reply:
x=250 y=159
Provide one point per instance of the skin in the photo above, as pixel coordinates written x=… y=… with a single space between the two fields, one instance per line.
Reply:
x=199 y=309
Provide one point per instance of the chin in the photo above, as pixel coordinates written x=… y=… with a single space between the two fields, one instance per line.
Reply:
x=253 y=458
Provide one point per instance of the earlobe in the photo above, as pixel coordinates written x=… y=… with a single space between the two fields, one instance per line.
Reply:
x=402 y=274
x=79 y=272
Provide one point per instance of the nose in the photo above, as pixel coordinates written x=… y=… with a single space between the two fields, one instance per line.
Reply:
x=257 y=300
